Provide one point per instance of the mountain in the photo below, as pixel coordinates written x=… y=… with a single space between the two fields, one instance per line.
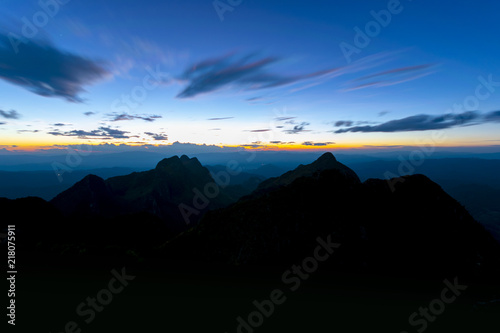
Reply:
x=415 y=230
x=160 y=192
x=406 y=225
x=326 y=162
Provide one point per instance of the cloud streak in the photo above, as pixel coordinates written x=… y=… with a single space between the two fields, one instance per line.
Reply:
x=12 y=114
x=223 y=118
x=126 y=116
x=101 y=133
x=425 y=122
x=157 y=136
x=47 y=71
x=245 y=73
x=298 y=128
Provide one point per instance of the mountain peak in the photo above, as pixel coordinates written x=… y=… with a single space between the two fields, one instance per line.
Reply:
x=327 y=157
x=177 y=161
x=325 y=162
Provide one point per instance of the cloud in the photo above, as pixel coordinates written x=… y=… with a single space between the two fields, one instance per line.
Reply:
x=101 y=133
x=421 y=122
x=12 y=114
x=60 y=124
x=401 y=70
x=125 y=116
x=28 y=131
x=89 y=113
x=383 y=113
x=298 y=128
x=341 y=123
x=284 y=118
x=385 y=78
x=224 y=118
x=259 y=130
x=492 y=116
x=45 y=70
x=157 y=137
x=317 y=144
x=3 y=123
x=245 y=73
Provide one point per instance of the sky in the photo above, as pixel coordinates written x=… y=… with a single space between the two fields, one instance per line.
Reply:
x=256 y=74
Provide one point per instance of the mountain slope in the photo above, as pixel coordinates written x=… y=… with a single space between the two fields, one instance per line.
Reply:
x=158 y=192
x=416 y=230
x=326 y=162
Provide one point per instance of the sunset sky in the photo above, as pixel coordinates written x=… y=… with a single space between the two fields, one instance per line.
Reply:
x=294 y=74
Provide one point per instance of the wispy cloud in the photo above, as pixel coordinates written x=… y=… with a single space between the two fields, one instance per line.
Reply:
x=89 y=113
x=390 y=77
x=341 y=123
x=223 y=118
x=316 y=144
x=157 y=136
x=126 y=116
x=284 y=118
x=12 y=114
x=425 y=122
x=492 y=116
x=298 y=128
x=259 y=130
x=47 y=71
x=247 y=72
x=28 y=131
x=101 y=133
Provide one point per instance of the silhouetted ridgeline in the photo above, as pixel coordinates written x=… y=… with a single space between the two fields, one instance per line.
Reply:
x=417 y=229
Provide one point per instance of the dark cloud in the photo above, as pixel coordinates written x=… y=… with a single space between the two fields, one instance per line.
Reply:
x=157 y=136
x=60 y=124
x=125 y=116
x=259 y=130
x=223 y=118
x=309 y=143
x=41 y=68
x=89 y=113
x=298 y=128
x=492 y=116
x=420 y=123
x=341 y=123
x=101 y=133
x=383 y=113
x=3 y=123
x=246 y=72
x=12 y=114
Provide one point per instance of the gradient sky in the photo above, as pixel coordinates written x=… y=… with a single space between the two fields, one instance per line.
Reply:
x=288 y=74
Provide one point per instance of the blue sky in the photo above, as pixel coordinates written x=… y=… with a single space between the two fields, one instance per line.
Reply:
x=260 y=73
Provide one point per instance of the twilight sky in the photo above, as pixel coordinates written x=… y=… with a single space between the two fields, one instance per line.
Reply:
x=294 y=74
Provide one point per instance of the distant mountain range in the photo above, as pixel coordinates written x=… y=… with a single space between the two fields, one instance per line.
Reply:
x=410 y=226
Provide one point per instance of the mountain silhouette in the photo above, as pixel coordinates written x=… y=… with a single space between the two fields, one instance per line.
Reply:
x=407 y=225
x=158 y=192
x=326 y=162
x=416 y=229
